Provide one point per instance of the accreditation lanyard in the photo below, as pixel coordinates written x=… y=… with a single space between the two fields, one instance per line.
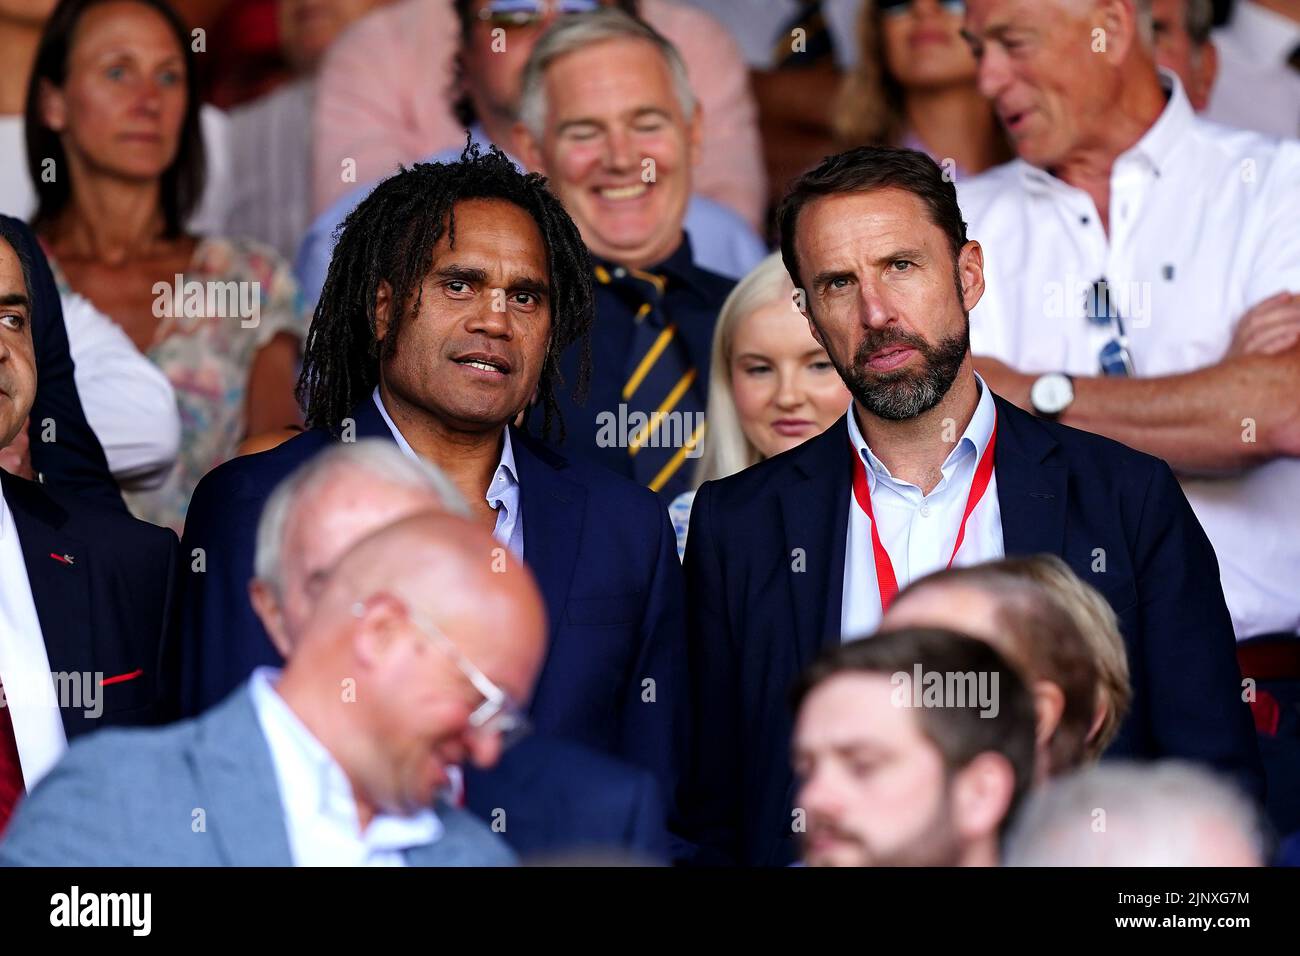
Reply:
x=885 y=578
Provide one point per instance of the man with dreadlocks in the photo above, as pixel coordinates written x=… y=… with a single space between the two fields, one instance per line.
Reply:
x=453 y=291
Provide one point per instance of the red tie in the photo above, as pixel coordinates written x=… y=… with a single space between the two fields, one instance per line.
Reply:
x=11 y=770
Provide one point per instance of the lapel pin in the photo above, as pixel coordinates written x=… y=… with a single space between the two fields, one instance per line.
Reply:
x=62 y=558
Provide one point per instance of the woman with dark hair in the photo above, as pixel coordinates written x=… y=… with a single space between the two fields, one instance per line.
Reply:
x=114 y=147
x=915 y=86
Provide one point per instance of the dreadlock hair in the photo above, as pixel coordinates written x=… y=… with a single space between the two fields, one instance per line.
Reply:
x=390 y=238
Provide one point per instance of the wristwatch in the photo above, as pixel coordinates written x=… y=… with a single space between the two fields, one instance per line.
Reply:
x=1051 y=394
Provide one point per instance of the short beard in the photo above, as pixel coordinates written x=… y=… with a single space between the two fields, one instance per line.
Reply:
x=903 y=394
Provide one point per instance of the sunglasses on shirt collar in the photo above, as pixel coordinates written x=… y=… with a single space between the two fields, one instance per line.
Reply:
x=894 y=7
x=512 y=14
x=1114 y=359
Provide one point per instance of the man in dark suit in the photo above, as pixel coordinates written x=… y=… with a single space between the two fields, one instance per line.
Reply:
x=439 y=346
x=74 y=461
x=85 y=591
x=928 y=468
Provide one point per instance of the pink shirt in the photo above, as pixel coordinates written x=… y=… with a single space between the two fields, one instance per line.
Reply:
x=384 y=98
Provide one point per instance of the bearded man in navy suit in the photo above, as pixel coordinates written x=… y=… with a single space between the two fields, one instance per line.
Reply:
x=928 y=469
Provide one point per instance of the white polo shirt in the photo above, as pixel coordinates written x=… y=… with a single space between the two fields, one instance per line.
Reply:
x=918 y=530
x=1204 y=224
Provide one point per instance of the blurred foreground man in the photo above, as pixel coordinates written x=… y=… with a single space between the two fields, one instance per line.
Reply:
x=896 y=769
x=410 y=661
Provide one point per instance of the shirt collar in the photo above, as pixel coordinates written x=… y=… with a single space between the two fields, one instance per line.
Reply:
x=1157 y=147
x=503 y=487
x=1267 y=37
x=505 y=477
x=328 y=789
x=974 y=440
x=679 y=265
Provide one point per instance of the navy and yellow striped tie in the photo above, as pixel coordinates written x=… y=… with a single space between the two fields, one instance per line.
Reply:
x=660 y=382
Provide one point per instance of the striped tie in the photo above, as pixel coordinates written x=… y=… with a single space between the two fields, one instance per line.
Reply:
x=660 y=383
x=812 y=46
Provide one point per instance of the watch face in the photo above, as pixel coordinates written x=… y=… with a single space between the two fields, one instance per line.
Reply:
x=1051 y=394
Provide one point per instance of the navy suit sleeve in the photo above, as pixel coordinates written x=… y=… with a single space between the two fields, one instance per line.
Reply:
x=655 y=732
x=1189 y=652
x=714 y=787
x=74 y=460
x=221 y=639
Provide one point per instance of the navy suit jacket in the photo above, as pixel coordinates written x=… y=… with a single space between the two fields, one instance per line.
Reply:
x=765 y=569
x=551 y=798
x=103 y=586
x=601 y=549
x=73 y=461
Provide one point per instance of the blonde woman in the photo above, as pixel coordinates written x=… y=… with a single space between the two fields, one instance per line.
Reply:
x=914 y=86
x=771 y=386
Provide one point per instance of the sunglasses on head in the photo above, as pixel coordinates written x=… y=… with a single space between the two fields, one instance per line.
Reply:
x=526 y=13
x=892 y=7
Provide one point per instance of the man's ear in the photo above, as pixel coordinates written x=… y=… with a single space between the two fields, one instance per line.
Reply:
x=267 y=607
x=1098 y=720
x=1049 y=705
x=981 y=797
x=1119 y=30
x=528 y=149
x=970 y=269
x=695 y=134
x=52 y=106
x=378 y=621
x=383 y=309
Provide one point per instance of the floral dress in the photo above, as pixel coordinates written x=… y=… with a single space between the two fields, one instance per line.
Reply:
x=234 y=297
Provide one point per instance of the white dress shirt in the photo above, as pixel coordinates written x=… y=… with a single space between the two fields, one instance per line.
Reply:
x=1204 y=224
x=503 y=490
x=129 y=404
x=320 y=810
x=1256 y=88
x=918 y=530
x=24 y=666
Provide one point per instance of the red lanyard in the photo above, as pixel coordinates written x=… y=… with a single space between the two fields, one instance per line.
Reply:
x=885 y=578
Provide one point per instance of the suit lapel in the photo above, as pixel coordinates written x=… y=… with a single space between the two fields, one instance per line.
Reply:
x=814 y=510
x=237 y=783
x=1031 y=490
x=553 y=507
x=58 y=570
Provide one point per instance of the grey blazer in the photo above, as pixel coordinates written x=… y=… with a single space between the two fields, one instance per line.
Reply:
x=201 y=792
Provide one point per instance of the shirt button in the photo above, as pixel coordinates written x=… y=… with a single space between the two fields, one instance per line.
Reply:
x=619 y=272
x=925 y=511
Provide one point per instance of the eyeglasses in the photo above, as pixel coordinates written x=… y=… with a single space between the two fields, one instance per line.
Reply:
x=499 y=713
x=1114 y=357
x=895 y=7
x=513 y=14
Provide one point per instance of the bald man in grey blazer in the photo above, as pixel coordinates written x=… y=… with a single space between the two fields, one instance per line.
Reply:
x=418 y=648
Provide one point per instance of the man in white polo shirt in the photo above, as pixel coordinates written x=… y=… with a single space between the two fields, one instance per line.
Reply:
x=1142 y=266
